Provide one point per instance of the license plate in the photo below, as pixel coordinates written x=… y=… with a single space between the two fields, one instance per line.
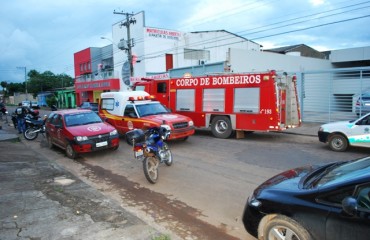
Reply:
x=101 y=144
x=138 y=154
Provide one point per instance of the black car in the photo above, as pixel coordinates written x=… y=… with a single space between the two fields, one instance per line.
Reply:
x=89 y=105
x=330 y=201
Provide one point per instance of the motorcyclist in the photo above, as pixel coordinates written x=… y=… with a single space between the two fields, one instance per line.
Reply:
x=21 y=113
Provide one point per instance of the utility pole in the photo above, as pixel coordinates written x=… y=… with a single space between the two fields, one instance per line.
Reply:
x=130 y=42
x=25 y=79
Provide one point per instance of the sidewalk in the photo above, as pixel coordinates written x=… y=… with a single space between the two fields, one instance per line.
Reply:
x=41 y=200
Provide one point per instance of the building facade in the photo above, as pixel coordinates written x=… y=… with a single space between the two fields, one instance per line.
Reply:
x=94 y=74
x=154 y=51
x=162 y=53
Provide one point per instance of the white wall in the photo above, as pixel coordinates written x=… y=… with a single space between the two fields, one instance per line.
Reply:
x=252 y=61
x=350 y=54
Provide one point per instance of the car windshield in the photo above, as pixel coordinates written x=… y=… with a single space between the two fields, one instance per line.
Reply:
x=83 y=118
x=339 y=173
x=151 y=109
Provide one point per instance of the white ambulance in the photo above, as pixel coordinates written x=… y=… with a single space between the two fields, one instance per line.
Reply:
x=137 y=109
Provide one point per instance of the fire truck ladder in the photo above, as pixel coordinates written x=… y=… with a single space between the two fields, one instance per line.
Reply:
x=292 y=108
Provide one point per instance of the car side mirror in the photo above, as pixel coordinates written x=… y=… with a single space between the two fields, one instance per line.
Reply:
x=349 y=205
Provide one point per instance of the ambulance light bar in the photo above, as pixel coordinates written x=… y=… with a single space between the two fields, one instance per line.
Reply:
x=142 y=98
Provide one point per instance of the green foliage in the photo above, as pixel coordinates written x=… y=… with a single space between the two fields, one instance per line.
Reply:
x=15 y=87
x=51 y=100
x=161 y=237
x=47 y=81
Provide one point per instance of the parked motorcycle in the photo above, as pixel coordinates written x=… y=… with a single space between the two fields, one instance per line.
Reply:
x=31 y=117
x=149 y=146
x=3 y=112
x=36 y=127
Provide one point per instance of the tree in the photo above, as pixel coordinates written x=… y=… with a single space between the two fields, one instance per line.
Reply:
x=3 y=85
x=47 y=81
x=15 y=87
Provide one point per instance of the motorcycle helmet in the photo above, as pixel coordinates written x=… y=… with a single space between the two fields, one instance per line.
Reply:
x=34 y=113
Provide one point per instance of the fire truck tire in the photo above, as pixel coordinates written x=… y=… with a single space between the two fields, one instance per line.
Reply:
x=221 y=127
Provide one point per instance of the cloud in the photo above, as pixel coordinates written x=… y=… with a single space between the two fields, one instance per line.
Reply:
x=317 y=2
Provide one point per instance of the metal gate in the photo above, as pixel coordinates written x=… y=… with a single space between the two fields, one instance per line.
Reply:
x=331 y=95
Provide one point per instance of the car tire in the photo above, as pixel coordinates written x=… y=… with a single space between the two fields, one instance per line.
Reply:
x=49 y=142
x=281 y=227
x=338 y=143
x=70 y=152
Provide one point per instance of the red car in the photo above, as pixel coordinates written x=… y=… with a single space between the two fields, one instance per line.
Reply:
x=79 y=131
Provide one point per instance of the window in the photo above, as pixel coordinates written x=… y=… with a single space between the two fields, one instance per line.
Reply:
x=363 y=197
x=107 y=103
x=185 y=100
x=335 y=198
x=130 y=111
x=247 y=100
x=214 y=100
x=196 y=54
x=161 y=87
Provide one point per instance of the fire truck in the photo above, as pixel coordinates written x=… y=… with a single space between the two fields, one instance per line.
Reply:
x=231 y=103
x=136 y=109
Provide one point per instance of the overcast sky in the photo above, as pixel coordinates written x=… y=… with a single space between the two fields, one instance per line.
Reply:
x=44 y=35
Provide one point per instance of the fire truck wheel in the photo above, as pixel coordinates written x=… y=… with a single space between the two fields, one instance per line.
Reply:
x=221 y=127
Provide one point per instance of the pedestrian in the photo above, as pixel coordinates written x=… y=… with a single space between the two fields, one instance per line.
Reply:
x=21 y=114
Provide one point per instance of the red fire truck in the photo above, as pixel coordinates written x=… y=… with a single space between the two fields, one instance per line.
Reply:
x=231 y=103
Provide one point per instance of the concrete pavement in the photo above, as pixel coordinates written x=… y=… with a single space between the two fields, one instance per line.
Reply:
x=41 y=200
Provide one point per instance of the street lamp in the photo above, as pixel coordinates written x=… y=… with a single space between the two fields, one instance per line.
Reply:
x=25 y=79
x=107 y=39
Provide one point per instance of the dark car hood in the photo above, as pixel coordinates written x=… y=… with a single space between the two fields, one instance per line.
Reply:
x=289 y=179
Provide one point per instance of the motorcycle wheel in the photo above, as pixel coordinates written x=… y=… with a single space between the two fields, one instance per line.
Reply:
x=167 y=155
x=30 y=134
x=150 y=167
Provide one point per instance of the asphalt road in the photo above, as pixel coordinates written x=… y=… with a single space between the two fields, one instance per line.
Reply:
x=202 y=195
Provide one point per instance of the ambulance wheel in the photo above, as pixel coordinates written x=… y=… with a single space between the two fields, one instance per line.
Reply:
x=338 y=143
x=221 y=127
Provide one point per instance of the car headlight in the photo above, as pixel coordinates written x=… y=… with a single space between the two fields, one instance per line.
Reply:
x=114 y=132
x=81 y=138
x=254 y=202
x=191 y=123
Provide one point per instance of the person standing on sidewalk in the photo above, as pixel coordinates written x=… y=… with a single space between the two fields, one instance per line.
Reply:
x=21 y=114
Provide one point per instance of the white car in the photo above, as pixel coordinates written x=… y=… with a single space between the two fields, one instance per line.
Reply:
x=26 y=103
x=340 y=135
